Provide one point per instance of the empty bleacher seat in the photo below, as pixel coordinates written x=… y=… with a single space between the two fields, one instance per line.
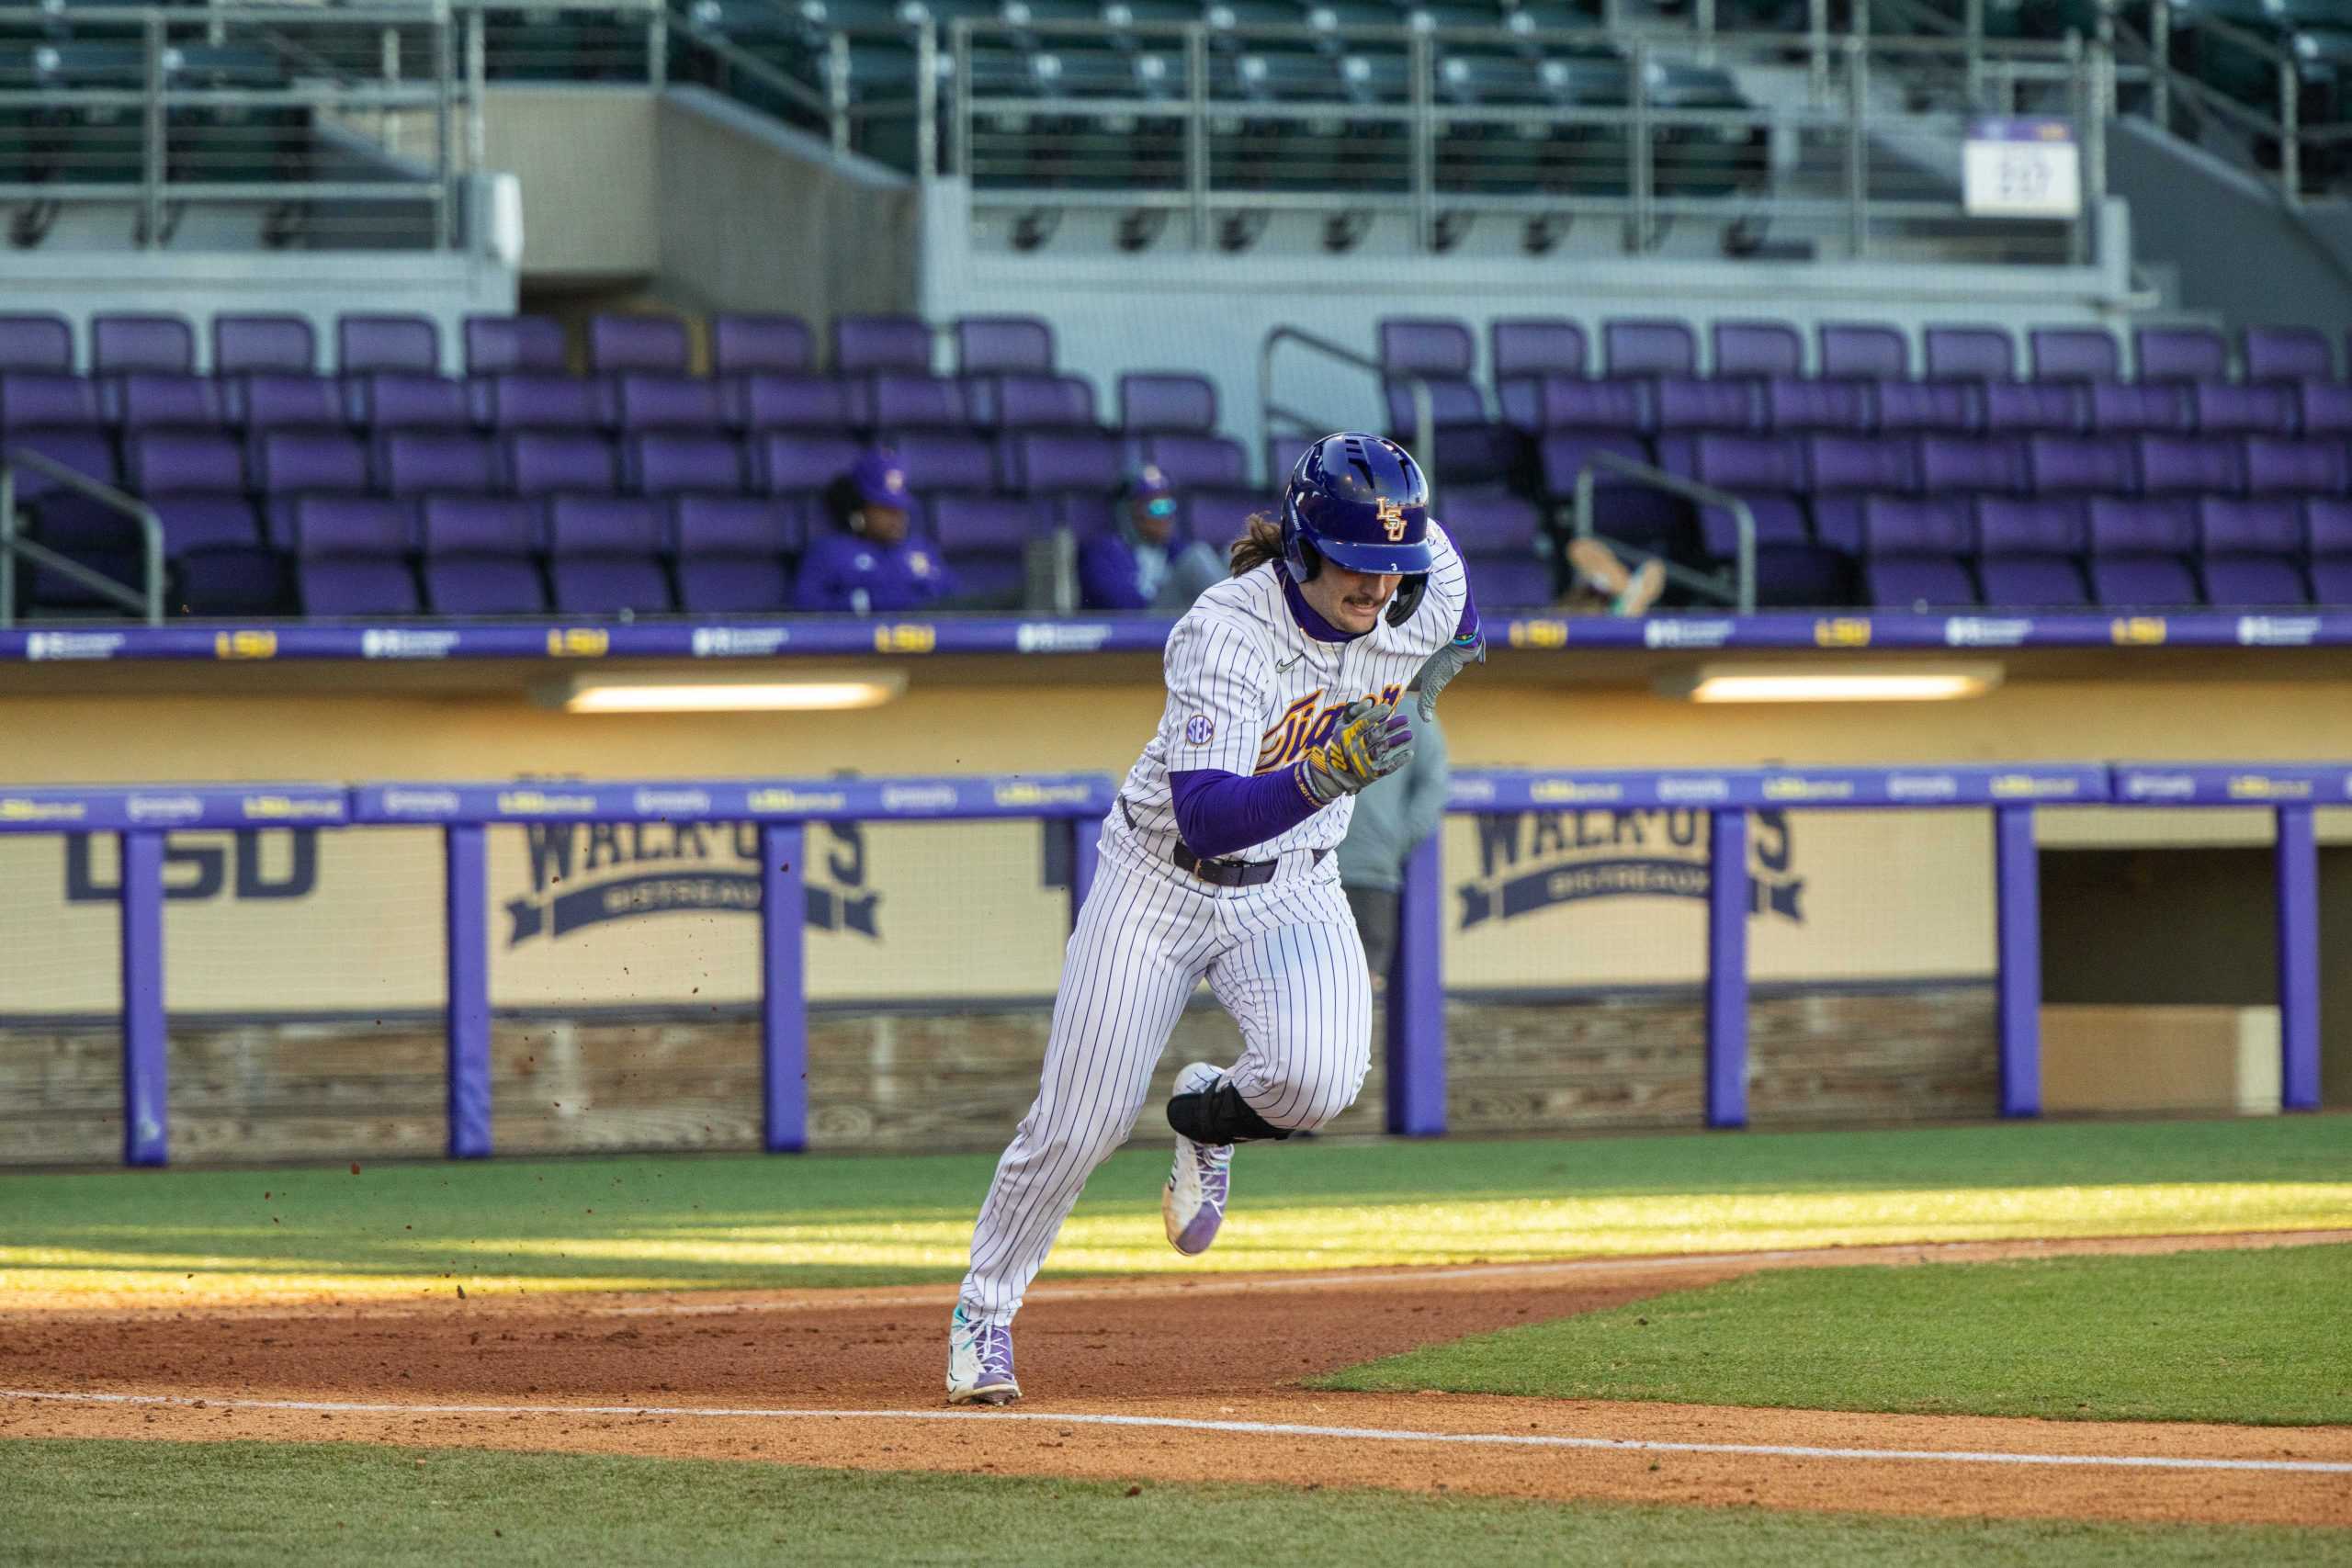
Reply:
x=500 y=344
x=367 y=343
x=605 y=555
x=480 y=556
x=351 y=556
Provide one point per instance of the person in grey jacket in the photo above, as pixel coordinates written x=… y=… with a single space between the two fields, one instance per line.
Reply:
x=1391 y=819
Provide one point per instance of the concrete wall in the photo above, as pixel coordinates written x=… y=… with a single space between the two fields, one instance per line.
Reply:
x=587 y=159
x=2242 y=254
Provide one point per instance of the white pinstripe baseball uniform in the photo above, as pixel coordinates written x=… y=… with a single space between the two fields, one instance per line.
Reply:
x=1250 y=688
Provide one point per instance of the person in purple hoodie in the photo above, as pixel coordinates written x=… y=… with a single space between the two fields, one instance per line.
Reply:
x=871 y=565
x=1139 y=565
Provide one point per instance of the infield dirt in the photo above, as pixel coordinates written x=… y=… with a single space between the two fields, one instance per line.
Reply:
x=1226 y=1350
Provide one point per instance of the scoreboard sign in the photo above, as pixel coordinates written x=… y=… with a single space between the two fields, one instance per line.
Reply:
x=2021 y=168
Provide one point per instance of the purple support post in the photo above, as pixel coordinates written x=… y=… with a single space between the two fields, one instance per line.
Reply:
x=1728 y=969
x=2298 y=960
x=2017 y=882
x=146 y=1117
x=1417 y=1000
x=1085 y=849
x=784 y=992
x=465 y=888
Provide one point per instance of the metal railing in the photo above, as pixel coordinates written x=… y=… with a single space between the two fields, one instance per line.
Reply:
x=1740 y=592
x=146 y=600
x=1294 y=422
x=2272 y=140
x=334 y=127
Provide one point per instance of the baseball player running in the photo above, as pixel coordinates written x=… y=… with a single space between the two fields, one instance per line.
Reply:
x=1216 y=863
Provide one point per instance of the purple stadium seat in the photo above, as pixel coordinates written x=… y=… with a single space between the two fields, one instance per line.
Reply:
x=2191 y=464
x=733 y=553
x=656 y=345
x=436 y=462
x=2249 y=549
x=479 y=556
x=367 y=343
x=1029 y=400
x=1493 y=525
x=220 y=565
x=906 y=399
x=985 y=538
x=760 y=344
x=1744 y=462
x=498 y=345
x=665 y=402
x=784 y=399
x=2121 y=408
x=1958 y=465
x=1688 y=403
x=1516 y=582
x=2324 y=408
x=1864 y=353
x=1651 y=347
x=2180 y=354
x=1766 y=472
x=605 y=555
x=1622 y=508
x=270 y=401
x=1052 y=463
x=1426 y=345
x=141 y=343
x=2278 y=464
x=1003 y=344
x=2028 y=551
x=2256 y=409
x=1197 y=462
x=1914 y=548
x=1794 y=405
x=43 y=399
x=2288 y=353
x=1757 y=348
x=945 y=460
x=36 y=342
x=1155 y=404
x=1467 y=449
x=1844 y=471
x=246 y=344
x=539 y=399
x=299 y=462
x=408 y=399
x=2328 y=531
x=1535 y=345
x=2022 y=408
x=1950 y=407
x=2080 y=465
x=166 y=462
x=351 y=557
x=552 y=462
x=149 y=400
x=677 y=462
x=2075 y=353
x=1219 y=516
x=2139 y=550
x=1533 y=404
x=881 y=342
x=1970 y=353
x=802 y=464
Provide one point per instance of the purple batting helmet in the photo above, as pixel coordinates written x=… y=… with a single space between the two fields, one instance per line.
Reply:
x=1361 y=501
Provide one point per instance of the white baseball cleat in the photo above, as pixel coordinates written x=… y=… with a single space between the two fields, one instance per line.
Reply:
x=1192 y=1204
x=979 y=1362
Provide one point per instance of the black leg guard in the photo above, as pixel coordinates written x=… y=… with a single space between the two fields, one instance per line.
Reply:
x=1220 y=1116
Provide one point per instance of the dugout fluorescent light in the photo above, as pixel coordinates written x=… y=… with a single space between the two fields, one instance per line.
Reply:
x=1732 y=684
x=650 y=694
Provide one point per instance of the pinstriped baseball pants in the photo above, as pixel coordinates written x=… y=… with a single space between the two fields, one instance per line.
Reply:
x=1283 y=958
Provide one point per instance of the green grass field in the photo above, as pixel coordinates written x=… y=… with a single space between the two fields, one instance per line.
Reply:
x=753 y=1222
x=235 y=1504
x=2251 y=1337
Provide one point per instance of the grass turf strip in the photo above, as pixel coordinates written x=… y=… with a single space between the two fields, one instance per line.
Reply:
x=2253 y=1337
x=760 y=1222
x=89 y=1503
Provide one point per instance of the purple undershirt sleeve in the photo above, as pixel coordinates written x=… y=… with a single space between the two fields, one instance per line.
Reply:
x=1466 y=629
x=1219 y=813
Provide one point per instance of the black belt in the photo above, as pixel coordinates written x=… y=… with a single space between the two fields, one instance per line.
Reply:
x=1223 y=873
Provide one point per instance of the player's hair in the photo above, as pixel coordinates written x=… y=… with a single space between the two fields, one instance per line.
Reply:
x=1260 y=542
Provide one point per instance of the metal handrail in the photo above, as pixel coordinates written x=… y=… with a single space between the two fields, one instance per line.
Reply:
x=13 y=544
x=735 y=58
x=1424 y=402
x=1742 y=594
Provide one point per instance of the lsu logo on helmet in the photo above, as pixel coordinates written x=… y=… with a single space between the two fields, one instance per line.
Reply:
x=1392 y=519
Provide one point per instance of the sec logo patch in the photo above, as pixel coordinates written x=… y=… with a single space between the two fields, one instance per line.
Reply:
x=1198 y=730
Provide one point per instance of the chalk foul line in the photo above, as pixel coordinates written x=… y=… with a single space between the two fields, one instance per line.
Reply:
x=1246 y=1428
